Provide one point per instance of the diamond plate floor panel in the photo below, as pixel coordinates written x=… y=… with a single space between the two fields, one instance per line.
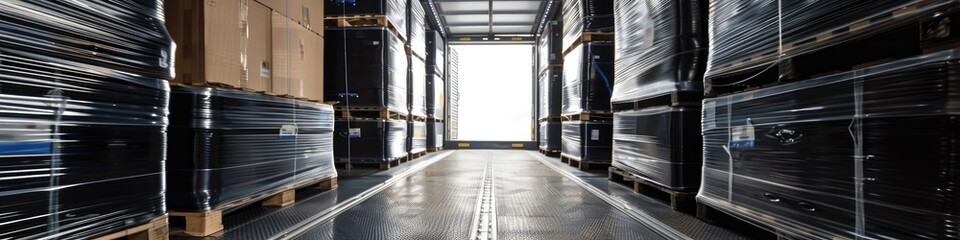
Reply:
x=536 y=202
x=255 y=222
x=682 y=222
x=532 y=201
x=436 y=203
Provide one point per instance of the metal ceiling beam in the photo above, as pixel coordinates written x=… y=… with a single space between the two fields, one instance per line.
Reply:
x=487 y=0
x=516 y=24
x=474 y=40
x=497 y=12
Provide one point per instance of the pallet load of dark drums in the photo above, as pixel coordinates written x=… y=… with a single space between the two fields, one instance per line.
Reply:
x=228 y=145
x=833 y=119
x=83 y=124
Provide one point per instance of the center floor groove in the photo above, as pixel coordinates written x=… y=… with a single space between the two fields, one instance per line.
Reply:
x=439 y=202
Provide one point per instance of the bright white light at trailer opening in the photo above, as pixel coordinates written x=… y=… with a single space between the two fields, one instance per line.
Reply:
x=496 y=92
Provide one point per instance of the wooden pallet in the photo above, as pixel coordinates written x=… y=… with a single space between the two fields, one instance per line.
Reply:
x=673 y=99
x=206 y=223
x=677 y=199
x=417 y=155
x=750 y=230
x=410 y=52
x=156 y=229
x=589 y=37
x=382 y=165
x=587 y=116
x=416 y=118
x=897 y=34
x=552 y=153
x=369 y=113
x=549 y=119
x=434 y=149
x=364 y=21
x=551 y=67
x=579 y=164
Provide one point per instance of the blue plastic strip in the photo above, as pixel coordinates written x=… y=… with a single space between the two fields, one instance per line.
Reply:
x=25 y=147
x=604 y=76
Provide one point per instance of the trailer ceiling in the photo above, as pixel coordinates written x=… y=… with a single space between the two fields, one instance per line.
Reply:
x=491 y=18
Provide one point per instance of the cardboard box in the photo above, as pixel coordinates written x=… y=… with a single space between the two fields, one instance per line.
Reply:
x=216 y=44
x=307 y=13
x=313 y=66
x=259 y=47
x=298 y=59
x=288 y=56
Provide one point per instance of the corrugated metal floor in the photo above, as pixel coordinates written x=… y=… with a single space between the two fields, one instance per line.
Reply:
x=437 y=196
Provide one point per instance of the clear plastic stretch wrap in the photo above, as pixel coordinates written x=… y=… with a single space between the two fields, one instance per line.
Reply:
x=418 y=88
x=373 y=60
x=589 y=141
x=373 y=140
x=549 y=87
x=747 y=34
x=662 y=145
x=435 y=53
x=453 y=90
x=228 y=145
x=661 y=48
x=587 y=78
x=550 y=136
x=435 y=96
x=416 y=137
x=585 y=16
x=83 y=113
x=551 y=45
x=395 y=10
x=870 y=153
x=435 y=134
x=416 y=35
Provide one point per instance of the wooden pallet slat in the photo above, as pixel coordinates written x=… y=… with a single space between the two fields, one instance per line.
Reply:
x=587 y=116
x=677 y=199
x=357 y=21
x=586 y=37
x=156 y=229
x=369 y=113
x=549 y=119
x=382 y=165
x=673 y=99
x=549 y=67
x=578 y=163
x=417 y=118
x=364 y=21
x=206 y=223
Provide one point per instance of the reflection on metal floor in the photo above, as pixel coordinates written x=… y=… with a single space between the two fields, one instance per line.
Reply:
x=505 y=194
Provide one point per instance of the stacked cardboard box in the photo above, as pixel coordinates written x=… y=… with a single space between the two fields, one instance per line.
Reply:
x=261 y=46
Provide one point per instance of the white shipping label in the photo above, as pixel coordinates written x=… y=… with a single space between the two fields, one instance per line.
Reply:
x=354 y=132
x=743 y=136
x=265 y=70
x=595 y=134
x=288 y=132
